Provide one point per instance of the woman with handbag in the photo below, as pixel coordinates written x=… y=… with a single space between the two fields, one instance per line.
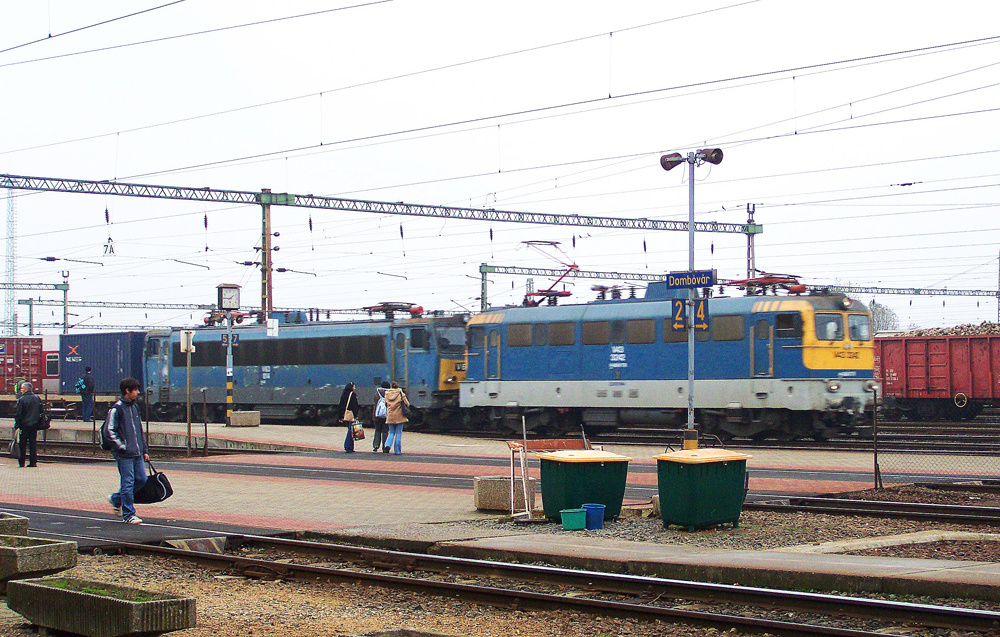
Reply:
x=395 y=418
x=346 y=414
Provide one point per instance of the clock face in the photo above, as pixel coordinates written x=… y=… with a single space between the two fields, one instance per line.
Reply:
x=229 y=299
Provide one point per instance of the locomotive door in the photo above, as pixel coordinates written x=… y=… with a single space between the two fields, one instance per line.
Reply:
x=158 y=370
x=493 y=353
x=762 y=348
x=413 y=362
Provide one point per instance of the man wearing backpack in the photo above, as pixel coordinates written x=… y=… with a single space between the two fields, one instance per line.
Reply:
x=123 y=432
x=87 y=394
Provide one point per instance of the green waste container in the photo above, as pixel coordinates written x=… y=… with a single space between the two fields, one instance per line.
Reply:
x=701 y=487
x=572 y=477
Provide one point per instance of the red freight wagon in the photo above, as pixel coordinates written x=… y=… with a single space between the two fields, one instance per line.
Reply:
x=21 y=358
x=932 y=377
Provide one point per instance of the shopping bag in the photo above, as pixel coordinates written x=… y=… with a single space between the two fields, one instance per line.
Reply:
x=357 y=431
x=156 y=489
x=13 y=450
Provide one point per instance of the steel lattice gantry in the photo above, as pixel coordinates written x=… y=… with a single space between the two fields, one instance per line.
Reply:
x=266 y=199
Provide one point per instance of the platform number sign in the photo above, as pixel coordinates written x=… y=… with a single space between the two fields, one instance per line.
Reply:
x=225 y=340
x=678 y=315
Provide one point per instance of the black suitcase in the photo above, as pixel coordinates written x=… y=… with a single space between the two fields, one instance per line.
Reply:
x=156 y=489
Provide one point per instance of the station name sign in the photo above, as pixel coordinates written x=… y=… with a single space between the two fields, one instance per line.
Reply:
x=692 y=279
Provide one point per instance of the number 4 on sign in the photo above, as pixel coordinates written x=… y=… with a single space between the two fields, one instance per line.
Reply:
x=701 y=315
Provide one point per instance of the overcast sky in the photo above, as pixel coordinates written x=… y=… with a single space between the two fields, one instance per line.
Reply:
x=867 y=134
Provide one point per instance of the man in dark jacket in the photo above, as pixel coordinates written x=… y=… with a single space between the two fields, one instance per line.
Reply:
x=29 y=409
x=87 y=394
x=131 y=453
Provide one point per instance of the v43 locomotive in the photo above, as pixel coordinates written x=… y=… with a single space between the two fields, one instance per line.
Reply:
x=789 y=366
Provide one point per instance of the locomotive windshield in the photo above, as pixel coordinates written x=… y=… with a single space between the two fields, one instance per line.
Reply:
x=859 y=327
x=451 y=342
x=829 y=327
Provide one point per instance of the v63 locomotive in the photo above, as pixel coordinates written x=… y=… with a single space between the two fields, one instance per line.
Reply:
x=298 y=375
x=790 y=366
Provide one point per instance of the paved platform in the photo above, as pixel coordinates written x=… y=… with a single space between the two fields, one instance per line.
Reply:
x=310 y=485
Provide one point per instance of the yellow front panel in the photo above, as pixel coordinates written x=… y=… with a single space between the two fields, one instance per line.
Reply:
x=452 y=373
x=845 y=354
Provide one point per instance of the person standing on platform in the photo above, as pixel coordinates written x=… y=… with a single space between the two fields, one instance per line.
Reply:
x=395 y=419
x=87 y=394
x=378 y=420
x=347 y=413
x=130 y=451
x=26 y=418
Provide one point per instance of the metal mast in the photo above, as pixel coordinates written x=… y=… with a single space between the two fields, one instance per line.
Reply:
x=10 y=262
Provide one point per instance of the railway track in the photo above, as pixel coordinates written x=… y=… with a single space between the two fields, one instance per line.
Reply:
x=956 y=438
x=522 y=587
x=959 y=514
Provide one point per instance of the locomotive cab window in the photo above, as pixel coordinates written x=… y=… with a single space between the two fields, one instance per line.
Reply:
x=519 y=335
x=153 y=347
x=829 y=327
x=476 y=336
x=859 y=327
x=418 y=339
x=788 y=326
x=562 y=333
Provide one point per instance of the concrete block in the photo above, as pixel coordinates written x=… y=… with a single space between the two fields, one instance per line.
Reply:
x=245 y=419
x=96 y=609
x=656 y=507
x=11 y=524
x=492 y=493
x=22 y=557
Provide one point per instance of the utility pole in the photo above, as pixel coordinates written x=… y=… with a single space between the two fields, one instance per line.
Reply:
x=751 y=256
x=65 y=291
x=10 y=262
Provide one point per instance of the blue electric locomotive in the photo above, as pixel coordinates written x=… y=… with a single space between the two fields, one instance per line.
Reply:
x=298 y=375
x=790 y=366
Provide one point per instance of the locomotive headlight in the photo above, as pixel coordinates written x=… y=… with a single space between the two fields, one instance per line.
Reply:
x=833 y=386
x=451 y=379
x=871 y=386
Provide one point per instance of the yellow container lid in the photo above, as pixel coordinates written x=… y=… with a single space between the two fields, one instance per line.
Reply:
x=702 y=455
x=582 y=455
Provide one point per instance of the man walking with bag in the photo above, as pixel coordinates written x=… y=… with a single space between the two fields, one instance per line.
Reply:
x=27 y=417
x=124 y=430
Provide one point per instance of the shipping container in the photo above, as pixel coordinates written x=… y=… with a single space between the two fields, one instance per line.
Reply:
x=933 y=377
x=21 y=359
x=112 y=357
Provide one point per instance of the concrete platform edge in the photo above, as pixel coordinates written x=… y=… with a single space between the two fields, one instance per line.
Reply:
x=821 y=579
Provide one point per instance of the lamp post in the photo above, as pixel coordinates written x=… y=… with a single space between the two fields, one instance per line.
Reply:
x=712 y=156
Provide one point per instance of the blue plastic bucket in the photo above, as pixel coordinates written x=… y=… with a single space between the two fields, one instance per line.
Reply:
x=573 y=519
x=595 y=516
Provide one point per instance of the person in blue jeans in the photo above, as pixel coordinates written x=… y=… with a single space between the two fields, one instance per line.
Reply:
x=395 y=418
x=87 y=394
x=131 y=452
